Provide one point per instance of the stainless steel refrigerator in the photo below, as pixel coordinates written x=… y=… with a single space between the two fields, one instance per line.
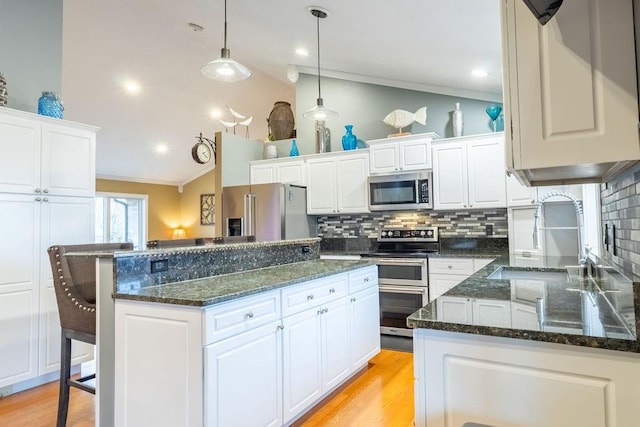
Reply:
x=267 y=211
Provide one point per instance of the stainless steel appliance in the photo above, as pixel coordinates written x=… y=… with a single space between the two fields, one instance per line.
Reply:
x=406 y=191
x=403 y=274
x=267 y=211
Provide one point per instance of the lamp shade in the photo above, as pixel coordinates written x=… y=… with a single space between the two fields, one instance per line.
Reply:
x=225 y=69
x=178 y=233
x=319 y=112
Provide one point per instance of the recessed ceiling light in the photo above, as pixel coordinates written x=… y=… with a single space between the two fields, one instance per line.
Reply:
x=162 y=148
x=478 y=72
x=215 y=113
x=132 y=87
x=302 y=52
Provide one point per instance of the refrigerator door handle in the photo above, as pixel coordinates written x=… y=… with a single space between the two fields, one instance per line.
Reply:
x=249 y=215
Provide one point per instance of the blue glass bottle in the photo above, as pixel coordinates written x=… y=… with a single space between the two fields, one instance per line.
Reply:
x=349 y=140
x=49 y=104
x=294 y=149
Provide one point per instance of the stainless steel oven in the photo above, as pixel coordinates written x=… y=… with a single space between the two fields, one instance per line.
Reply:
x=403 y=275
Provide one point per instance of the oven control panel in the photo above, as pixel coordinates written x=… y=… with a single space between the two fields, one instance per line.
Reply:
x=424 y=234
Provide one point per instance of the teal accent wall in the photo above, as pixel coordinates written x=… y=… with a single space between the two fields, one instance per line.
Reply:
x=364 y=106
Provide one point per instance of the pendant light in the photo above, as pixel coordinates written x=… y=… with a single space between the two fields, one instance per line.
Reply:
x=225 y=69
x=319 y=112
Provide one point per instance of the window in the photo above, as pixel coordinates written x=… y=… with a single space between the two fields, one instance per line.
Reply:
x=121 y=218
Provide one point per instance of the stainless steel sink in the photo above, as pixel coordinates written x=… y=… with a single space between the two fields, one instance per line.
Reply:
x=508 y=274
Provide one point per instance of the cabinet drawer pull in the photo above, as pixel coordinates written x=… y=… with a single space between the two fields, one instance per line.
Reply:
x=326 y=310
x=353 y=299
x=280 y=327
x=45 y=199
x=37 y=190
x=366 y=279
x=449 y=266
x=37 y=199
x=249 y=315
x=46 y=190
x=309 y=297
x=319 y=312
x=332 y=291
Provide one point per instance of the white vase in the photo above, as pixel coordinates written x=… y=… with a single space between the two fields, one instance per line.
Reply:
x=458 y=126
x=269 y=152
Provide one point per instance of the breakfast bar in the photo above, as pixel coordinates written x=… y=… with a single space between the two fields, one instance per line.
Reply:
x=188 y=336
x=529 y=347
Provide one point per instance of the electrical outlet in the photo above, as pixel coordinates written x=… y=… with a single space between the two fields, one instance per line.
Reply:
x=159 y=265
x=488 y=229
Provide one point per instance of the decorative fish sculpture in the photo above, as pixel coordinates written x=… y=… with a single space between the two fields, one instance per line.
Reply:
x=402 y=118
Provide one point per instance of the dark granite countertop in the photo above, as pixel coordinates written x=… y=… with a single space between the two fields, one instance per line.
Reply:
x=596 y=311
x=216 y=289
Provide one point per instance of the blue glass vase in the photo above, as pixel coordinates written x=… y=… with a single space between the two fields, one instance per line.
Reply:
x=494 y=111
x=49 y=104
x=349 y=140
x=294 y=149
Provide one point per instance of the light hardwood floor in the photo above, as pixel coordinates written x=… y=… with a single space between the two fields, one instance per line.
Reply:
x=380 y=396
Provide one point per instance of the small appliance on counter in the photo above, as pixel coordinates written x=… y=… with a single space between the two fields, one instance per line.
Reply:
x=267 y=211
x=403 y=274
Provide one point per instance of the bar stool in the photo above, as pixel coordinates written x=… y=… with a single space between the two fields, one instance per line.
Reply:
x=74 y=281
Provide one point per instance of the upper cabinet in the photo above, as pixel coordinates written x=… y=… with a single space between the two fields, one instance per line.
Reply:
x=285 y=170
x=41 y=155
x=337 y=183
x=469 y=172
x=571 y=104
x=401 y=154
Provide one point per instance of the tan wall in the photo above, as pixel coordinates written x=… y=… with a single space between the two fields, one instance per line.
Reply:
x=190 y=205
x=164 y=213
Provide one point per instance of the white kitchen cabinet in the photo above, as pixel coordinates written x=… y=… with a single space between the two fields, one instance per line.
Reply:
x=245 y=368
x=469 y=173
x=445 y=273
x=46 y=156
x=337 y=183
x=571 y=102
x=47 y=184
x=364 y=324
x=286 y=171
x=315 y=360
x=520 y=195
x=471 y=311
x=401 y=154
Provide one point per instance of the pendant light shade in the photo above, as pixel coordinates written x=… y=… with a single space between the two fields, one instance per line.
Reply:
x=319 y=112
x=225 y=69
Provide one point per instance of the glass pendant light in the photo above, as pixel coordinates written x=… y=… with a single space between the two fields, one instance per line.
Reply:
x=319 y=112
x=225 y=69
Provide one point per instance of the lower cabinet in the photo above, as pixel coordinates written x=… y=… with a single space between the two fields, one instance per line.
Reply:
x=266 y=358
x=445 y=273
x=242 y=370
x=480 y=312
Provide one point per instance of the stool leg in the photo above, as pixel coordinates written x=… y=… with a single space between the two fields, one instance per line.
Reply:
x=65 y=374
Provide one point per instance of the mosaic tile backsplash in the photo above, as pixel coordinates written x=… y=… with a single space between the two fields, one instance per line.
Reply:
x=620 y=200
x=450 y=224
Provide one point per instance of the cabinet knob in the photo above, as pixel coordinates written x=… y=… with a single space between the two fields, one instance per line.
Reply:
x=319 y=312
x=280 y=327
x=353 y=299
x=37 y=190
x=449 y=267
x=366 y=279
x=46 y=190
x=249 y=315
x=326 y=310
x=38 y=199
x=309 y=297
x=332 y=291
x=533 y=201
x=45 y=199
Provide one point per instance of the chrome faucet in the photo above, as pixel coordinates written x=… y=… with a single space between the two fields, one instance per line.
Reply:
x=582 y=257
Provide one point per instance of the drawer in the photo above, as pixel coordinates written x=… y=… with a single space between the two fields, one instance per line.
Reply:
x=297 y=298
x=462 y=266
x=241 y=315
x=363 y=278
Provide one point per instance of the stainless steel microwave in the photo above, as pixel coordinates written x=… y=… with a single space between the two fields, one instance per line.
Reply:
x=406 y=191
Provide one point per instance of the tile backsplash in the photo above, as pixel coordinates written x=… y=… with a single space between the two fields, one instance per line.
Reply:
x=620 y=200
x=449 y=223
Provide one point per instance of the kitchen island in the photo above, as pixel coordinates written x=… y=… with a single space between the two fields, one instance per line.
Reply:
x=242 y=334
x=513 y=346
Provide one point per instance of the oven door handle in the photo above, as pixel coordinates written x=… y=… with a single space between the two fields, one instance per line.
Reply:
x=413 y=290
x=395 y=261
